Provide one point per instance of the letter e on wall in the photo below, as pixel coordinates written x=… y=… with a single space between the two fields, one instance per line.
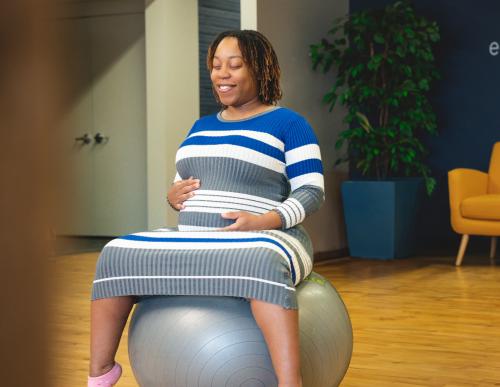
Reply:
x=494 y=48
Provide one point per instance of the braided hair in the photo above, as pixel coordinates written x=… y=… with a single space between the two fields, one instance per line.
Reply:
x=259 y=56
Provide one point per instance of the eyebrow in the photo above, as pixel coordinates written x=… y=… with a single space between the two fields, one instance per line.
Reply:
x=230 y=57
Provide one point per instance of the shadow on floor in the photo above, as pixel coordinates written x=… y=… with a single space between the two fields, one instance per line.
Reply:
x=65 y=245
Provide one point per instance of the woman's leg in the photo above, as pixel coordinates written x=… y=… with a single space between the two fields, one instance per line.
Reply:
x=280 y=328
x=108 y=317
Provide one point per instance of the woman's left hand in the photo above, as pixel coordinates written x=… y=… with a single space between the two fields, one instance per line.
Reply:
x=245 y=221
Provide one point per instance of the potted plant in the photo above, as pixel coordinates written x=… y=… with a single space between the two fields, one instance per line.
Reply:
x=384 y=65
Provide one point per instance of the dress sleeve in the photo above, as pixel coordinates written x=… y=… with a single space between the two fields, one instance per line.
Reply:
x=177 y=177
x=193 y=129
x=304 y=170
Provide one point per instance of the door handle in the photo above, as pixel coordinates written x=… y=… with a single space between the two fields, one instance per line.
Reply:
x=99 y=138
x=85 y=139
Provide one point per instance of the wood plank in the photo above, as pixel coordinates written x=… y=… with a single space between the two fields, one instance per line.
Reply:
x=417 y=322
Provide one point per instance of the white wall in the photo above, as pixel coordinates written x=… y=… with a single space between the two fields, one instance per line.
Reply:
x=291 y=26
x=172 y=95
x=248 y=12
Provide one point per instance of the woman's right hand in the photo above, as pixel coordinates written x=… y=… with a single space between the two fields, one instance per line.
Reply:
x=182 y=190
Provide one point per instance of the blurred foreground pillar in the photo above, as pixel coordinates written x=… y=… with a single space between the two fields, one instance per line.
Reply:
x=28 y=100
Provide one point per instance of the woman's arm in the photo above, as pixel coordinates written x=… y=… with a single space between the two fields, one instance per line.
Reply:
x=304 y=170
x=180 y=191
x=303 y=201
x=244 y=221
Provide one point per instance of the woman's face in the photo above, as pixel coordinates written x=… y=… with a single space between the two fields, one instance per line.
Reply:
x=231 y=77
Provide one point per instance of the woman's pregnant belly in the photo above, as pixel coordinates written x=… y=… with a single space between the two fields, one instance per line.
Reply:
x=203 y=211
x=228 y=184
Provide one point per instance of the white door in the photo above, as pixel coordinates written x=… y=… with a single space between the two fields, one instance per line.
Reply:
x=74 y=202
x=105 y=187
x=119 y=100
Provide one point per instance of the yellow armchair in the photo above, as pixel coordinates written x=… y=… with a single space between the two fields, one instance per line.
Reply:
x=475 y=203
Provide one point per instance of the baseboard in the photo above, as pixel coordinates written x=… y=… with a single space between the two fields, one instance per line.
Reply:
x=331 y=254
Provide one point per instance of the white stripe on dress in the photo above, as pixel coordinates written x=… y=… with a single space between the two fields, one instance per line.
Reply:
x=234 y=152
x=266 y=138
x=286 y=215
x=229 y=194
x=218 y=201
x=208 y=234
x=196 y=204
x=306 y=258
x=216 y=235
x=185 y=227
x=295 y=215
x=195 y=277
x=217 y=210
x=300 y=208
x=146 y=245
x=305 y=152
x=313 y=178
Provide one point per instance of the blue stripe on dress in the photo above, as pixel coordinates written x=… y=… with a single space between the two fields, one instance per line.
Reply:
x=303 y=167
x=298 y=134
x=243 y=141
x=140 y=238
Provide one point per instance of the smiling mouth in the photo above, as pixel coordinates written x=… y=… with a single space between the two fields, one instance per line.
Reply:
x=225 y=88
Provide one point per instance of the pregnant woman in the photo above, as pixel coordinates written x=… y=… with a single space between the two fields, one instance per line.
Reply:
x=246 y=178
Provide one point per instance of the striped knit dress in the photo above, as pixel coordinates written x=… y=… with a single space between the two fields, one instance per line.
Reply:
x=268 y=162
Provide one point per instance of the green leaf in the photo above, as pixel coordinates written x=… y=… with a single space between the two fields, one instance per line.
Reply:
x=409 y=32
x=407 y=70
x=382 y=58
x=430 y=185
x=423 y=84
x=364 y=122
x=378 y=38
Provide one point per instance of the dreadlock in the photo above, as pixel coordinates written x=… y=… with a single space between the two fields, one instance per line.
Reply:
x=259 y=56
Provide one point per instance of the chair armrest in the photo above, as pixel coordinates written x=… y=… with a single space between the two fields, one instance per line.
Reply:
x=465 y=183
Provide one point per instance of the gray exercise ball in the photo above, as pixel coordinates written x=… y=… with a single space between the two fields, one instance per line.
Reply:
x=205 y=341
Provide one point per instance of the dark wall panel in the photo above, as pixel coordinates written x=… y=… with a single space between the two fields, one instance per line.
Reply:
x=214 y=17
x=467 y=102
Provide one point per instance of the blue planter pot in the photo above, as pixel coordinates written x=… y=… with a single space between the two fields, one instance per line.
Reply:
x=380 y=217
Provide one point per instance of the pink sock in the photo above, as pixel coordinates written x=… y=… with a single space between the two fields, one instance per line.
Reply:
x=108 y=379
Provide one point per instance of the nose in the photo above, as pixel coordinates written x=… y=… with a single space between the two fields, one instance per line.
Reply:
x=223 y=72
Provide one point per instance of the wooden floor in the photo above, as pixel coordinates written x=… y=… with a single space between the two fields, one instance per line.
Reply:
x=416 y=322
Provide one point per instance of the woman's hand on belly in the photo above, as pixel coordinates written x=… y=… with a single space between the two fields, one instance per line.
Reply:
x=244 y=221
x=182 y=190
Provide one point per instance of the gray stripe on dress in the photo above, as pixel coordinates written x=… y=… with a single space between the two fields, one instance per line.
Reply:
x=203 y=219
x=252 y=262
x=310 y=196
x=228 y=174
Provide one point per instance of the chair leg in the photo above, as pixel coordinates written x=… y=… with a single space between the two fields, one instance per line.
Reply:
x=461 y=250
x=493 y=248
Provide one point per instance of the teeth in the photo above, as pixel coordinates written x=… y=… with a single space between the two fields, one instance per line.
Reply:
x=224 y=87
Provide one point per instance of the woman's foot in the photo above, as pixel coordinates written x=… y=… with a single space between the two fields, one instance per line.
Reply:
x=106 y=380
